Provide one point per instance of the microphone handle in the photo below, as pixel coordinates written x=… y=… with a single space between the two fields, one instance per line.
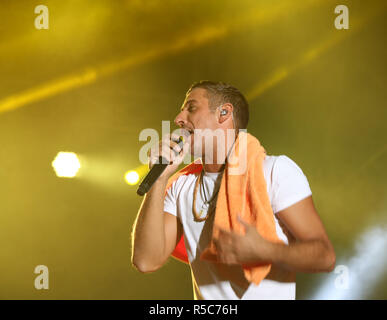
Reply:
x=152 y=176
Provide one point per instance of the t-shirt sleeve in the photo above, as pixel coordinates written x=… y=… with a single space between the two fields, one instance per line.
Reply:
x=290 y=184
x=170 y=200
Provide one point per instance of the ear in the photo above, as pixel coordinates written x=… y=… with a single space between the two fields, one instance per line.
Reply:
x=225 y=112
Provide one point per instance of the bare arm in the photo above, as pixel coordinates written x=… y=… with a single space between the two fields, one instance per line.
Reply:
x=155 y=232
x=312 y=250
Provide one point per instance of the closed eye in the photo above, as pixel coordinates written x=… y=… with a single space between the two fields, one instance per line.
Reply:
x=191 y=108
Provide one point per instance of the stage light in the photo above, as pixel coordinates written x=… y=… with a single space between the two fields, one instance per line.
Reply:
x=364 y=270
x=66 y=164
x=132 y=177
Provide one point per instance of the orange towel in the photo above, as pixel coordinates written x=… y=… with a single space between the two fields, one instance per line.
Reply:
x=244 y=194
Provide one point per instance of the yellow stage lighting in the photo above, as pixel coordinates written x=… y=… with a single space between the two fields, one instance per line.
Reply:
x=132 y=177
x=66 y=164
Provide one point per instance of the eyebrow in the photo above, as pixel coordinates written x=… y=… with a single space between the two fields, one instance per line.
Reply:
x=187 y=102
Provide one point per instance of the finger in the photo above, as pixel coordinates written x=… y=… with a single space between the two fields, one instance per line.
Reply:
x=223 y=242
x=177 y=148
x=176 y=153
x=149 y=153
x=180 y=157
x=221 y=252
x=169 y=143
x=153 y=154
x=244 y=223
x=223 y=232
x=175 y=136
x=218 y=246
x=226 y=237
x=221 y=229
x=166 y=148
x=186 y=144
x=166 y=152
x=226 y=233
x=173 y=142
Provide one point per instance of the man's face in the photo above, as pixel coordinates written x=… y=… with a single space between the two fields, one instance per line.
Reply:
x=196 y=114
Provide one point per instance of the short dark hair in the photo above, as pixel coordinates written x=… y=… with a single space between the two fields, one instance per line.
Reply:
x=219 y=93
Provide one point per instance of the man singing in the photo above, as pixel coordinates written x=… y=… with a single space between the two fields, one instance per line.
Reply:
x=245 y=233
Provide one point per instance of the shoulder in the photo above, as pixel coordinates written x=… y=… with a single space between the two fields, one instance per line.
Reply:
x=279 y=166
x=288 y=182
x=282 y=164
x=179 y=183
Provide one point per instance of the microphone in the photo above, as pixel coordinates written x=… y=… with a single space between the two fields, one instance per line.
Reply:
x=155 y=172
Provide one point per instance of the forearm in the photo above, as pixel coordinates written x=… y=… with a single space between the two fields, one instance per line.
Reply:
x=148 y=238
x=307 y=256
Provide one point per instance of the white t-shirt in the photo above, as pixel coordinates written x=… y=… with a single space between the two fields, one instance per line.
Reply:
x=286 y=185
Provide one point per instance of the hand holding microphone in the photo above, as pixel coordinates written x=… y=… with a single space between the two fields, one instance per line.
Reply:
x=164 y=159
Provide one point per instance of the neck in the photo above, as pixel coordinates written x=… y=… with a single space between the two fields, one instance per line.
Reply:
x=215 y=165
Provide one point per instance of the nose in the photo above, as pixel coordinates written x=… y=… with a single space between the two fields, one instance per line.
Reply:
x=180 y=119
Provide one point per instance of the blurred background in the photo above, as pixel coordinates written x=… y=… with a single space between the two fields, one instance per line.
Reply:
x=105 y=70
